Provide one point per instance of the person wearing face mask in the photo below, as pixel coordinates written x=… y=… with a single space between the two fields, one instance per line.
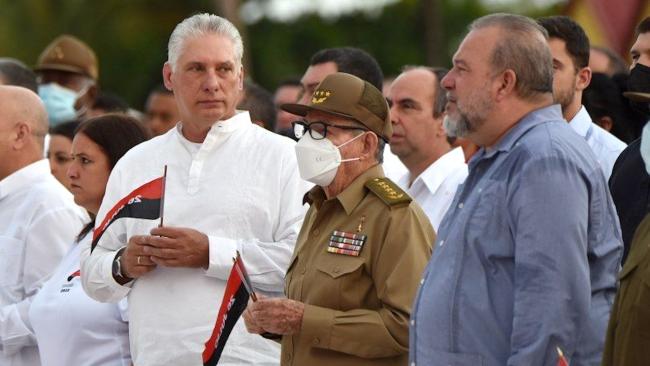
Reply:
x=627 y=341
x=630 y=182
x=363 y=245
x=67 y=73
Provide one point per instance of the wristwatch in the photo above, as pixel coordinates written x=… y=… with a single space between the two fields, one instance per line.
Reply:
x=117 y=268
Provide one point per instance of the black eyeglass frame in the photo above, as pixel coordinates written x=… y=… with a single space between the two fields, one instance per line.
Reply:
x=309 y=127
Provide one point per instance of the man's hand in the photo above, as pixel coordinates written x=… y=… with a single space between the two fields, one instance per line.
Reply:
x=274 y=315
x=178 y=247
x=251 y=325
x=135 y=262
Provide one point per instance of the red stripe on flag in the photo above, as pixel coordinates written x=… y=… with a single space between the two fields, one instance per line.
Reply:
x=231 y=308
x=149 y=190
x=561 y=361
x=74 y=274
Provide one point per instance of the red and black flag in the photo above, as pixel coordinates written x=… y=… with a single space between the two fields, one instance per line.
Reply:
x=145 y=202
x=235 y=298
x=561 y=361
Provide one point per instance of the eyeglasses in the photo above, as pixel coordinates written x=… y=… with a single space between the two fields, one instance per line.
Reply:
x=318 y=129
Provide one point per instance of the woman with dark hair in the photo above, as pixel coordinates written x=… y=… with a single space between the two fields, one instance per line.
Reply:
x=70 y=327
x=58 y=150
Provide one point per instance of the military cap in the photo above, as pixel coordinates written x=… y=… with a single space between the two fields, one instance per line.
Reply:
x=348 y=96
x=68 y=53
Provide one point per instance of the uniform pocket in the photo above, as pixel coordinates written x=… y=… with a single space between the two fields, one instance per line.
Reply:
x=338 y=268
x=341 y=278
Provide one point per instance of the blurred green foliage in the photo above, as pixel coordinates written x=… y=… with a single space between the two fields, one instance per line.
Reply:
x=130 y=37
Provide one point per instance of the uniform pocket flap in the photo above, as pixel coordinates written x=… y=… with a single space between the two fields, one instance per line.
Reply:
x=339 y=266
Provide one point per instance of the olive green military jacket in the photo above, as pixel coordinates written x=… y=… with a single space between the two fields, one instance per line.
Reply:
x=357 y=293
x=628 y=333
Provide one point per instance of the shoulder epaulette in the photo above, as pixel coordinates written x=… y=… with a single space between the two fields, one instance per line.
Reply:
x=389 y=192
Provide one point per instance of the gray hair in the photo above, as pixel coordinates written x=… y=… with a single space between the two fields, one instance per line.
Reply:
x=523 y=49
x=199 y=25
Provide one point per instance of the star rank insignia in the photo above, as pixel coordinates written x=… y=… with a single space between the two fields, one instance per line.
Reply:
x=346 y=243
x=320 y=96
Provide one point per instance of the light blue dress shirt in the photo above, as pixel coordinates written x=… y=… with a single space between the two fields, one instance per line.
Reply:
x=526 y=257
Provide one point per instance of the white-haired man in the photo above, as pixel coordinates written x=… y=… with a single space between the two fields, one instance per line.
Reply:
x=230 y=186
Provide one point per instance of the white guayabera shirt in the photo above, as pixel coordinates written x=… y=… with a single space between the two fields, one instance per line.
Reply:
x=435 y=188
x=38 y=224
x=241 y=187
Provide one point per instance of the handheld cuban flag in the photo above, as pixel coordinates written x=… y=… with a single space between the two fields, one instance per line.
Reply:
x=561 y=361
x=145 y=202
x=235 y=298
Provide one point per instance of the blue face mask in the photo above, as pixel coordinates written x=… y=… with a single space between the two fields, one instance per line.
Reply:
x=59 y=102
x=645 y=146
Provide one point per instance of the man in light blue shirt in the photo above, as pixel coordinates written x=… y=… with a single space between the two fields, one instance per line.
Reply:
x=531 y=239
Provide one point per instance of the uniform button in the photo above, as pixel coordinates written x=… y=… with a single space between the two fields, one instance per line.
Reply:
x=442 y=242
x=412 y=363
x=422 y=281
x=315 y=342
x=460 y=205
x=336 y=270
x=315 y=231
x=412 y=322
x=480 y=190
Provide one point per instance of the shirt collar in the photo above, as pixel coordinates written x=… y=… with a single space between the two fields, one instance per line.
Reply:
x=239 y=120
x=436 y=173
x=581 y=122
x=352 y=195
x=532 y=119
x=23 y=177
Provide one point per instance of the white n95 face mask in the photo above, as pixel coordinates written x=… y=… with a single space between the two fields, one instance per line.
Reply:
x=318 y=160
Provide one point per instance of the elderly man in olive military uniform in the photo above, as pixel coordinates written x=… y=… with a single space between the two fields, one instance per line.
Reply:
x=363 y=245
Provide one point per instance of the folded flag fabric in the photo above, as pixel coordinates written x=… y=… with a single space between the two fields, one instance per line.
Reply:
x=144 y=202
x=233 y=305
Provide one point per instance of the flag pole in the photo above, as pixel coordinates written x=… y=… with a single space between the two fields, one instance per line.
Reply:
x=162 y=198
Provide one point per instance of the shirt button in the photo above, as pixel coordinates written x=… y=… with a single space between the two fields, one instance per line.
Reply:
x=412 y=363
x=460 y=205
x=336 y=270
x=442 y=242
x=412 y=322
x=315 y=232
x=315 y=342
x=422 y=281
x=303 y=270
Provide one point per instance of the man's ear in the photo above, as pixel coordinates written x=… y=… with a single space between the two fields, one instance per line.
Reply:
x=583 y=78
x=167 y=76
x=241 y=77
x=21 y=132
x=370 y=143
x=506 y=83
